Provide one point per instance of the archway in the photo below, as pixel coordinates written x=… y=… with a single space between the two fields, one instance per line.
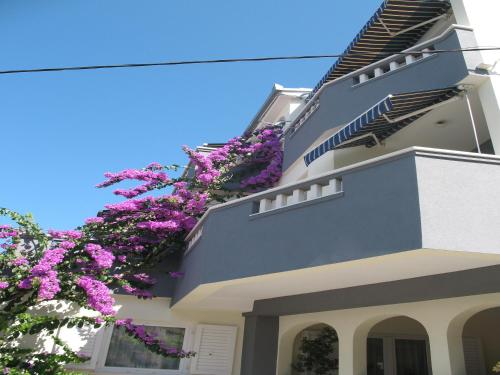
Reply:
x=398 y=346
x=481 y=341
x=316 y=351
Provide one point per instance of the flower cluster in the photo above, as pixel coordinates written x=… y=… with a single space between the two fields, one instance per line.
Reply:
x=101 y=257
x=45 y=275
x=114 y=249
x=153 y=180
x=151 y=340
x=98 y=295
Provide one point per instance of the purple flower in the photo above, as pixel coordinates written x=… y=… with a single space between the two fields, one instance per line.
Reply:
x=101 y=257
x=65 y=234
x=98 y=295
x=94 y=220
x=4 y=285
x=176 y=274
x=21 y=261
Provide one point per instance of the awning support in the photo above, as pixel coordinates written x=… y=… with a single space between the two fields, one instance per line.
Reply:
x=392 y=33
x=472 y=122
x=415 y=113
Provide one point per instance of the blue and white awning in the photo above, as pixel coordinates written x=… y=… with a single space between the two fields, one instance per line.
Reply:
x=385 y=118
x=395 y=26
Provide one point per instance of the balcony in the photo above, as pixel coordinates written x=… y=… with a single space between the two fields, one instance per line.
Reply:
x=419 y=68
x=410 y=213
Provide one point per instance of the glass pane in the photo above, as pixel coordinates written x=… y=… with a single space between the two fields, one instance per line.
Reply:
x=126 y=351
x=411 y=357
x=375 y=356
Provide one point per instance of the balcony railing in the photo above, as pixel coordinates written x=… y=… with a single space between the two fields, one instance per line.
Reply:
x=307 y=193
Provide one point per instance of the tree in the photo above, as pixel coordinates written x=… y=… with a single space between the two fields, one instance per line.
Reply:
x=116 y=249
x=317 y=354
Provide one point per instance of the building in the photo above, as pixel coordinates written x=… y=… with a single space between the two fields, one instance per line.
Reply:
x=385 y=225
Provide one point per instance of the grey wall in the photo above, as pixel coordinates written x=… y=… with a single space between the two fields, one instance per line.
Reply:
x=417 y=199
x=260 y=345
x=377 y=214
x=341 y=102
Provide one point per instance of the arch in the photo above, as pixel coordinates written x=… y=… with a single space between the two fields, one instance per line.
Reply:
x=380 y=340
x=455 y=334
x=288 y=344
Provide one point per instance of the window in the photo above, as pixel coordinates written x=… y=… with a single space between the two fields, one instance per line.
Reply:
x=411 y=357
x=126 y=351
x=375 y=356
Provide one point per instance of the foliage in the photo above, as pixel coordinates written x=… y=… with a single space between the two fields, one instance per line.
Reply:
x=497 y=367
x=317 y=354
x=116 y=250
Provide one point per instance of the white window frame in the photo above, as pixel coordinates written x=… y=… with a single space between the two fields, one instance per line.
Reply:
x=389 y=345
x=184 y=362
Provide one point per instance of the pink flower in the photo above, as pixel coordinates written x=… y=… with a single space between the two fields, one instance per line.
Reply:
x=94 y=220
x=98 y=295
x=4 y=285
x=176 y=274
x=21 y=261
x=102 y=258
x=64 y=234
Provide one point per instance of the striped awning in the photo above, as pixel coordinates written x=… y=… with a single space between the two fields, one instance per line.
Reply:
x=395 y=26
x=385 y=118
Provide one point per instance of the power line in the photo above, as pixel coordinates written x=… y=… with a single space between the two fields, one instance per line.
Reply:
x=374 y=55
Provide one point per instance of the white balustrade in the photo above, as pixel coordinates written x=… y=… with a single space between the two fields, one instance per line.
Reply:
x=393 y=65
x=195 y=237
x=299 y=195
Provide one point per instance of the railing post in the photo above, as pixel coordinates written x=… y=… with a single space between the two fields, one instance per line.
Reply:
x=334 y=186
x=426 y=52
x=363 y=78
x=409 y=59
x=315 y=191
x=265 y=205
x=379 y=72
x=298 y=196
x=393 y=65
x=281 y=200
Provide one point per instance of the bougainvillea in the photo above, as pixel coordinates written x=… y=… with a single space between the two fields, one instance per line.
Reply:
x=115 y=250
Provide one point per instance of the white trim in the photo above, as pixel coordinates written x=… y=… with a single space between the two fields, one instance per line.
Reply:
x=106 y=341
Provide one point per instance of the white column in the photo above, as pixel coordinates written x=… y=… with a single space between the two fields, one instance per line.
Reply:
x=482 y=16
x=352 y=350
x=315 y=191
x=265 y=205
x=409 y=59
x=378 y=72
x=363 y=78
x=298 y=196
x=393 y=65
x=489 y=95
x=447 y=353
x=280 y=200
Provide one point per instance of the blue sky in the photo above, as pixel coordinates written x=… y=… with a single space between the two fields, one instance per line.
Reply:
x=61 y=131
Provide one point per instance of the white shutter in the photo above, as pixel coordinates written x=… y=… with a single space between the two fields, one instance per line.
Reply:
x=473 y=355
x=214 y=347
x=85 y=340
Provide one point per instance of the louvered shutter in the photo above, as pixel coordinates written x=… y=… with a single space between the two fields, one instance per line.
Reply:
x=85 y=340
x=214 y=347
x=473 y=355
